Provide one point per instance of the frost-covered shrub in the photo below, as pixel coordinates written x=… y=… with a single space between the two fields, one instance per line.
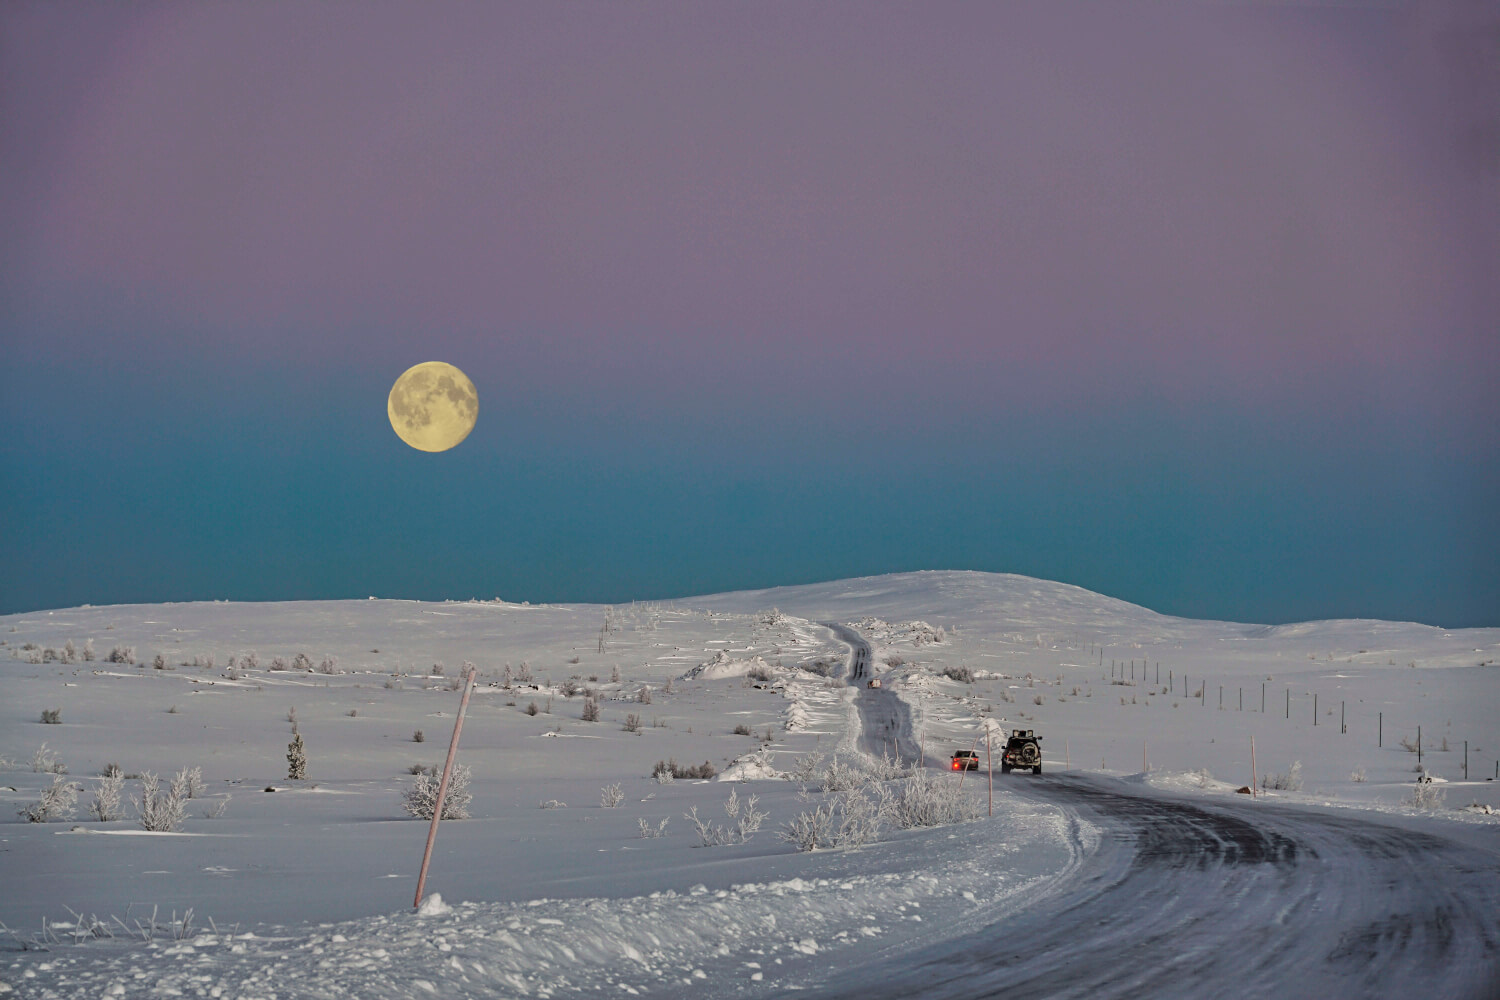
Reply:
x=1291 y=781
x=523 y=674
x=69 y=652
x=590 y=710
x=742 y=730
x=159 y=662
x=45 y=761
x=106 y=804
x=190 y=781
x=1358 y=774
x=88 y=650
x=610 y=796
x=744 y=822
x=302 y=662
x=643 y=696
x=842 y=822
x=924 y=800
x=279 y=663
x=121 y=654
x=421 y=798
x=329 y=665
x=887 y=768
x=759 y=673
x=532 y=708
x=806 y=768
x=160 y=812
x=652 y=832
x=959 y=672
x=52 y=716
x=614 y=674
x=250 y=661
x=632 y=723
x=842 y=777
x=1425 y=795
x=57 y=801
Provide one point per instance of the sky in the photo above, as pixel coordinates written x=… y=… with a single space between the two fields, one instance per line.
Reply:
x=1196 y=305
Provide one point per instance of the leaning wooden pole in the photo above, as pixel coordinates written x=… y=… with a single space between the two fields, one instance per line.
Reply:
x=989 y=764
x=437 y=809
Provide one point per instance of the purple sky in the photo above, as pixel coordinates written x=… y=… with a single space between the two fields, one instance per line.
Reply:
x=946 y=214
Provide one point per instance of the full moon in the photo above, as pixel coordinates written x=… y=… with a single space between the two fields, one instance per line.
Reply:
x=433 y=406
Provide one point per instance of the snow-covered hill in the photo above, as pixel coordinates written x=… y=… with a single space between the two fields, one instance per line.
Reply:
x=560 y=894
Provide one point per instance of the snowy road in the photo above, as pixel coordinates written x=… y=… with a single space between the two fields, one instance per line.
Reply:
x=885 y=720
x=1193 y=898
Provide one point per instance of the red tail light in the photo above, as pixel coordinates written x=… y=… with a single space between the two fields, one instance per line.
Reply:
x=955 y=765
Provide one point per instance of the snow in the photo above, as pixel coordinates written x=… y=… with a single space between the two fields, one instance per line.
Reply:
x=310 y=888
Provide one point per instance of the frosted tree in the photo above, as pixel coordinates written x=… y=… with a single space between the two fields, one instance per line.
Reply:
x=296 y=759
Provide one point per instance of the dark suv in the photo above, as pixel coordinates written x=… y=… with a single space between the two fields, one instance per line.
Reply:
x=1023 y=749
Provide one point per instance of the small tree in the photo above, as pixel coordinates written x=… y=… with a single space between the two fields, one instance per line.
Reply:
x=296 y=758
x=590 y=710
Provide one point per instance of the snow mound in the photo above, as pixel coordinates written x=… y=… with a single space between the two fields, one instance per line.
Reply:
x=753 y=766
x=433 y=906
x=722 y=665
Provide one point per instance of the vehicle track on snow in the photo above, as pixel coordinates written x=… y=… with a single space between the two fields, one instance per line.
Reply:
x=1188 y=897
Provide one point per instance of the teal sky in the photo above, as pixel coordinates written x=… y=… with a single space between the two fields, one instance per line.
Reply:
x=1194 y=305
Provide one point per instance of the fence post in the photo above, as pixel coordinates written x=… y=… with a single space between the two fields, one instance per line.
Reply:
x=1288 y=703
x=1419 y=746
x=1262 y=697
x=1380 y=730
x=989 y=765
x=1466 y=760
x=1343 y=726
x=1315 y=708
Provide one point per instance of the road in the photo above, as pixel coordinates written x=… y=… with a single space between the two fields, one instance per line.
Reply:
x=1190 y=897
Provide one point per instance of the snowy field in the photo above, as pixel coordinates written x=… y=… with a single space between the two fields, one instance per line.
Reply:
x=304 y=888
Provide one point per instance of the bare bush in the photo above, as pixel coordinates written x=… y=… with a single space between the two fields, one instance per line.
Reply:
x=106 y=805
x=532 y=709
x=1291 y=781
x=742 y=730
x=610 y=796
x=842 y=777
x=1039 y=700
x=886 y=768
x=523 y=675
x=959 y=672
x=1425 y=795
x=614 y=674
x=217 y=809
x=45 y=761
x=421 y=798
x=418 y=736
x=590 y=710
x=302 y=662
x=895 y=660
x=652 y=832
x=552 y=804
x=121 y=654
x=279 y=663
x=1358 y=774
x=88 y=651
x=759 y=673
x=190 y=780
x=329 y=665
x=52 y=716
x=671 y=767
x=159 y=812
x=744 y=821
x=632 y=723
x=924 y=800
x=843 y=822
x=643 y=696
x=57 y=802
x=806 y=768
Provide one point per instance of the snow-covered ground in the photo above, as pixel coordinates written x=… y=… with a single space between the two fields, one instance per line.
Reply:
x=548 y=892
